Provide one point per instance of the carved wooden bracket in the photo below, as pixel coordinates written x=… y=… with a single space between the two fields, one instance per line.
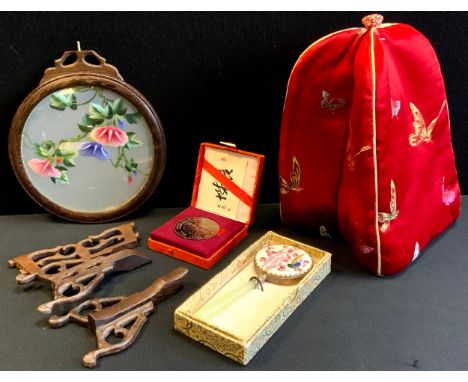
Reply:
x=75 y=284
x=45 y=263
x=121 y=317
x=75 y=270
x=82 y=61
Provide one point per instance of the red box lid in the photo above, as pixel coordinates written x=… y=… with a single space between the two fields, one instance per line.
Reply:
x=227 y=181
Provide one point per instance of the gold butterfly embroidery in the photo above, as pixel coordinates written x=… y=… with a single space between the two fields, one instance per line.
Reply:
x=324 y=233
x=295 y=179
x=422 y=133
x=384 y=217
x=352 y=158
x=331 y=103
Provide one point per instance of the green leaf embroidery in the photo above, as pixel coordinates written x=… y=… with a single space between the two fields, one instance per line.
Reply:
x=89 y=122
x=56 y=103
x=97 y=112
x=57 y=107
x=82 y=89
x=132 y=118
x=64 y=153
x=45 y=150
x=131 y=165
x=69 y=162
x=42 y=152
x=132 y=141
x=63 y=179
x=48 y=145
x=73 y=105
x=84 y=128
x=118 y=107
x=61 y=101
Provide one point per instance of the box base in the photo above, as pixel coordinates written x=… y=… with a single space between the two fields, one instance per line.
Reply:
x=202 y=262
x=226 y=331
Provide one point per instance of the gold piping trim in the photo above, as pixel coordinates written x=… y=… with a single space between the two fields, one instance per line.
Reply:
x=386 y=25
x=374 y=138
x=373 y=119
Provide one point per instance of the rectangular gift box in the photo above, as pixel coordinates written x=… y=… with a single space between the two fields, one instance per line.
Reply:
x=238 y=329
x=225 y=191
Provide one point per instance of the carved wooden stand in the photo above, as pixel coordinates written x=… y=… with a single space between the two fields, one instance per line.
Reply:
x=75 y=270
x=121 y=317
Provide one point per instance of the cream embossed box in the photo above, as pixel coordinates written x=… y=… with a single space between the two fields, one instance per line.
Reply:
x=237 y=321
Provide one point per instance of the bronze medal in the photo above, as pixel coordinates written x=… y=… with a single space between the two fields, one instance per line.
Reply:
x=196 y=228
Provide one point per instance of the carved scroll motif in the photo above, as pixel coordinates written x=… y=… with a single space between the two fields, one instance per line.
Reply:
x=75 y=270
x=120 y=317
x=45 y=263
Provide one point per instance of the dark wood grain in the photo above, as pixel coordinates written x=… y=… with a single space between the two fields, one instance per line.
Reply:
x=45 y=264
x=80 y=64
x=75 y=270
x=76 y=314
x=77 y=283
x=159 y=290
x=125 y=316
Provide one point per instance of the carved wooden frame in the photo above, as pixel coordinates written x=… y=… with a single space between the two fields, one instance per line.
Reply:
x=78 y=73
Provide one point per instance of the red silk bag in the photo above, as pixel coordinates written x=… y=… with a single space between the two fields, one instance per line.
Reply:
x=365 y=146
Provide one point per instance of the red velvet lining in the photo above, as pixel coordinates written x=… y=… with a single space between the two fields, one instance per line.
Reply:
x=205 y=248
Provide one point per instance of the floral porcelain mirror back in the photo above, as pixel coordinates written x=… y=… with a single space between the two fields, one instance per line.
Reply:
x=86 y=145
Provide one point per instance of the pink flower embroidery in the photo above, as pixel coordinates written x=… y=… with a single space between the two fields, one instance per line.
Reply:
x=43 y=168
x=109 y=136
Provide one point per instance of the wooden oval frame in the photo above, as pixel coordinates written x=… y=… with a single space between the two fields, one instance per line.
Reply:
x=88 y=79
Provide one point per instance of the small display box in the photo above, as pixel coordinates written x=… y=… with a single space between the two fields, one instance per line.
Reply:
x=236 y=321
x=222 y=209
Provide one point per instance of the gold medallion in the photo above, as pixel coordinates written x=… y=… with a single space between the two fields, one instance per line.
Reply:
x=196 y=228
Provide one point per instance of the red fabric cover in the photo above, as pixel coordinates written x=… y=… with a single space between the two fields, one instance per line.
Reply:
x=362 y=142
x=205 y=248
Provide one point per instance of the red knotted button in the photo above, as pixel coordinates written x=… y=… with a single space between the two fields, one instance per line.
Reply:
x=372 y=21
